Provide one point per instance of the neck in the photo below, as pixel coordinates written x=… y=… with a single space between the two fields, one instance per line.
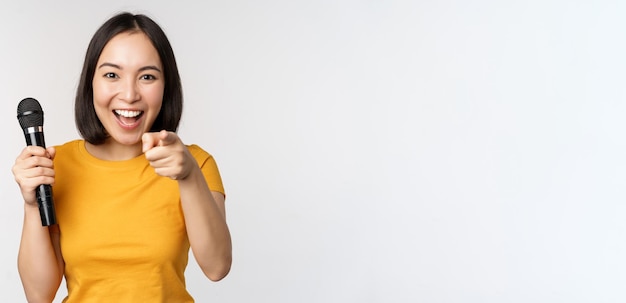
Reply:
x=111 y=150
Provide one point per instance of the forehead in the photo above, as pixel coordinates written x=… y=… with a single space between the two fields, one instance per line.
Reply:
x=130 y=48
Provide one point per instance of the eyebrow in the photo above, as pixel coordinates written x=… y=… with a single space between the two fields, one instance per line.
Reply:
x=148 y=67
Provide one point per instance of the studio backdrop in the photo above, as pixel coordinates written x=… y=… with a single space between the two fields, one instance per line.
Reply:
x=373 y=151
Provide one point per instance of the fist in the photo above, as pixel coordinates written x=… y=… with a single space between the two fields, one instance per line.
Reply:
x=32 y=168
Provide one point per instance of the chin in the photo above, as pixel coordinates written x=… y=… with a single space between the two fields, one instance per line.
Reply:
x=127 y=140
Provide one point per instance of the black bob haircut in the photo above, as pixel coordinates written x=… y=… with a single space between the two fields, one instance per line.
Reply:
x=87 y=122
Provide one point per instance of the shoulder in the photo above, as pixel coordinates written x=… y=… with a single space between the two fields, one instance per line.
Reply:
x=205 y=160
x=67 y=154
x=68 y=146
x=198 y=153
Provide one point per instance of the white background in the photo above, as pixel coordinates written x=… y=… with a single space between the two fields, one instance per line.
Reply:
x=374 y=151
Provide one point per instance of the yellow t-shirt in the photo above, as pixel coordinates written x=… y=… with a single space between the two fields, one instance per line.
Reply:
x=123 y=235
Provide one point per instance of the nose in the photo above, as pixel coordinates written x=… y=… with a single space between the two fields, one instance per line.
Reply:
x=129 y=91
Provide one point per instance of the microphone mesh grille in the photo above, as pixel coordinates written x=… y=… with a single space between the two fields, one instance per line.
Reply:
x=29 y=113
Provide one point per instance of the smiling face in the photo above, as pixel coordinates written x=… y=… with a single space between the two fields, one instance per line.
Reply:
x=128 y=87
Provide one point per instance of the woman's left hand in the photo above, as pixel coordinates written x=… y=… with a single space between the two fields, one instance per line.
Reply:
x=168 y=155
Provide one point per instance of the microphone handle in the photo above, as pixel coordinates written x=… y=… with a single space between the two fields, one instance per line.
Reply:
x=34 y=137
x=46 y=207
x=44 y=191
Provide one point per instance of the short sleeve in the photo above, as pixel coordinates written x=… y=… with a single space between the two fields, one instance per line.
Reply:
x=209 y=168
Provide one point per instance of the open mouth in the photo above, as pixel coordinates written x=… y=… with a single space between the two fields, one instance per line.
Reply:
x=127 y=117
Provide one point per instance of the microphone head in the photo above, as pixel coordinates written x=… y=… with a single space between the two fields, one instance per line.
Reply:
x=29 y=113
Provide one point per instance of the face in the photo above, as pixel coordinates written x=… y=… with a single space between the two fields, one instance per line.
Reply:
x=128 y=87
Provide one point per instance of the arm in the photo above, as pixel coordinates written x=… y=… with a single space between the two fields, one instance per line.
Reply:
x=208 y=233
x=204 y=210
x=39 y=258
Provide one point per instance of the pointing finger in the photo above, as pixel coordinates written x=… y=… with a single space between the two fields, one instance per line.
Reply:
x=167 y=138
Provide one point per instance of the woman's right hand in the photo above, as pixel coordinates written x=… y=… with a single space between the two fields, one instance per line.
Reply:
x=32 y=168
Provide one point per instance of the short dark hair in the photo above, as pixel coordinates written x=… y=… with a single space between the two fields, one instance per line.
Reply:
x=87 y=122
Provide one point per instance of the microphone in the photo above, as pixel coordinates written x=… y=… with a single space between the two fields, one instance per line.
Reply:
x=30 y=116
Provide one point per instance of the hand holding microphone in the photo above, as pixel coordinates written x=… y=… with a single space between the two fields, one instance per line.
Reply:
x=33 y=169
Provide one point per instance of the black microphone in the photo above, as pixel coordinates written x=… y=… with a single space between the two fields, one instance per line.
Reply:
x=30 y=116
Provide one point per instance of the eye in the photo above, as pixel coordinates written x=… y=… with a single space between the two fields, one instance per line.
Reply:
x=148 y=77
x=110 y=75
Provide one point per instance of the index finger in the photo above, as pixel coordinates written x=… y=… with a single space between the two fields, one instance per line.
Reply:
x=167 y=138
x=33 y=150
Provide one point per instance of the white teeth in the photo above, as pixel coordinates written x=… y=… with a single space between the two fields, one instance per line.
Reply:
x=127 y=113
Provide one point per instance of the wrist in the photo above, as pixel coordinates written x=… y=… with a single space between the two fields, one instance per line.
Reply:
x=190 y=174
x=31 y=213
x=28 y=206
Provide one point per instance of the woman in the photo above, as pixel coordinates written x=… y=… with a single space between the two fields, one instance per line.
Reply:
x=130 y=198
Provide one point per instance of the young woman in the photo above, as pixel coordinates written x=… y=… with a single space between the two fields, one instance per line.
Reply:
x=130 y=198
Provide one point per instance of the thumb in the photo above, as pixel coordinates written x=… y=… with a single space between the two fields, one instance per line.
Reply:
x=51 y=152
